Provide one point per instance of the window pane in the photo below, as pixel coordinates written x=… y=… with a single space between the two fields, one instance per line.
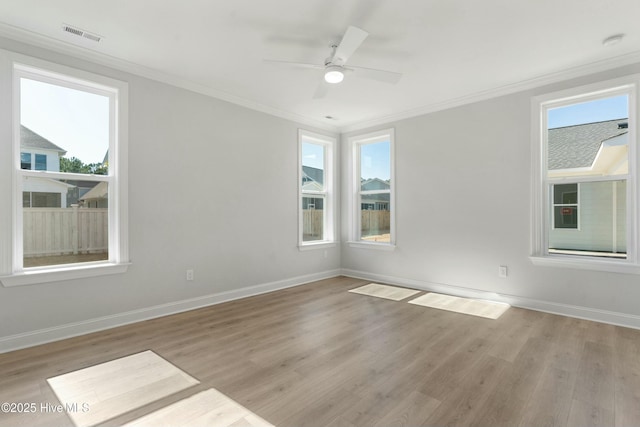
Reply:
x=597 y=226
x=375 y=166
x=68 y=127
x=565 y=216
x=589 y=138
x=375 y=218
x=312 y=218
x=565 y=194
x=312 y=167
x=41 y=162
x=62 y=227
x=25 y=161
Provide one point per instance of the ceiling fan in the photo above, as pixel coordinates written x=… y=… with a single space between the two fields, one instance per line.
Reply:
x=334 y=66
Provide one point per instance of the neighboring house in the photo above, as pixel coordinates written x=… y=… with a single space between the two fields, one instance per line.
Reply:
x=375 y=202
x=38 y=153
x=312 y=180
x=90 y=194
x=96 y=197
x=588 y=216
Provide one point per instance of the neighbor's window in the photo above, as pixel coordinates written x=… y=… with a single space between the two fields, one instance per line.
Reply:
x=25 y=160
x=41 y=162
x=373 y=214
x=72 y=201
x=586 y=181
x=565 y=206
x=317 y=212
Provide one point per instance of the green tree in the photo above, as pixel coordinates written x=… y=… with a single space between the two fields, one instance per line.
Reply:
x=76 y=165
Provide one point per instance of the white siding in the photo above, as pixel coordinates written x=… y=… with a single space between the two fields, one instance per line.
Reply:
x=597 y=209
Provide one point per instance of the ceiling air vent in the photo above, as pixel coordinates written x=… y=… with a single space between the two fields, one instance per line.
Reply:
x=81 y=33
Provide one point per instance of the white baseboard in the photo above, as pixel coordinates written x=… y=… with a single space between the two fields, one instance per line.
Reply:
x=603 y=316
x=56 y=333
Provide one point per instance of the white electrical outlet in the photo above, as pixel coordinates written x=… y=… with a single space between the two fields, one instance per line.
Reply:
x=189 y=274
x=502 y=271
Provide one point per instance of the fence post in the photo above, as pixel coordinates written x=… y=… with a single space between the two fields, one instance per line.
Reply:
x=74 y=229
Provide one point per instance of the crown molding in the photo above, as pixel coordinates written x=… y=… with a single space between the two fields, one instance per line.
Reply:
x=83 y=53
x=568 y=74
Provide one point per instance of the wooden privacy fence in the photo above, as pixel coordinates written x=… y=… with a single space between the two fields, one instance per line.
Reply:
x=312 y=221
x=375 y=222
x=62 y=231
x=372 y=222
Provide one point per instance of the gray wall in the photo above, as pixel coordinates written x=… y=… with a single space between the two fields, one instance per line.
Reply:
x=463 y=207
x=212 y=186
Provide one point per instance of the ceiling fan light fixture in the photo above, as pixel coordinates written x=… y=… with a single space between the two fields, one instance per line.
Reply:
x=333 y=74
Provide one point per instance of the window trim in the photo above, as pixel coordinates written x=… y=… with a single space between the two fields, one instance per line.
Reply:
x=540 y=201
x=11 y=271
x=329 y=218
x=355 y=142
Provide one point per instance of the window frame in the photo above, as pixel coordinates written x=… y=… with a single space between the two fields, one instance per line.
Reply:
x=355 y=194
x=328 y=194
x=12 y=272
x=541 y=218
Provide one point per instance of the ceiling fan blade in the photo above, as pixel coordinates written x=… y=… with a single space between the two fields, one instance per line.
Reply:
x=378 y=75
x=294 y=64
x=351 y=40
x=321 y=90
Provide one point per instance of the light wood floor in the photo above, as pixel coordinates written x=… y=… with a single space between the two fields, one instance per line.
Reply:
x=317 y=355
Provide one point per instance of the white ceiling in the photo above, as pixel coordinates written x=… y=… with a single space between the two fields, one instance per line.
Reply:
x=447 y=50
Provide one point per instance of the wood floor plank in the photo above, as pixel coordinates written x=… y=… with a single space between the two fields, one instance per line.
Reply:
x=507 y=403
x=463 y=404
x=317 y=355
x=516 y=334
x=627 y=379
x=113 y=388
x=584 y=414
x=413 y=411
x=595 y=383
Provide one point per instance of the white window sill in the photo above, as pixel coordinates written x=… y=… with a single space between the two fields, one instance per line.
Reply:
x=35 y=276
x=316 y=245
x=586 y=263
x=371 y=245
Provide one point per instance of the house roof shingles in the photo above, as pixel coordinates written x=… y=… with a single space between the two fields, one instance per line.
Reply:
x=30 y=139
x=577 y=146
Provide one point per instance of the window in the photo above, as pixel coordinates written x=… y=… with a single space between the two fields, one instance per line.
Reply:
x=565 y=206
x=25 y=161
x=585 y=148
x=41 y=162
x=76 y=122
x=316 y=181
x=41 y=200
x=373 y=196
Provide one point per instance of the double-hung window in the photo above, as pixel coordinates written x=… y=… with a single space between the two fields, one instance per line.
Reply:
x=69 y=173
x=585 y=177
x=316 y=190
x=372 y=204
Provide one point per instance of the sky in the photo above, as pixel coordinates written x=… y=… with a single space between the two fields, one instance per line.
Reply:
x=75 y=121
x=313 y=155
x=589 y=112
x=375 y=160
